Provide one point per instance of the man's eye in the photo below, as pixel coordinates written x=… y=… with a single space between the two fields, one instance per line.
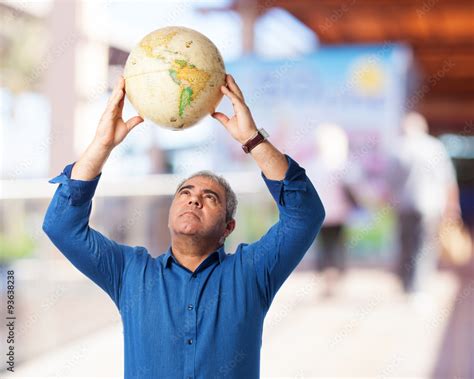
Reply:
x=184 y=192
x=212 y=197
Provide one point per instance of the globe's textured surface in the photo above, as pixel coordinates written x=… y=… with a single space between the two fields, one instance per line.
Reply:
x=173 y=77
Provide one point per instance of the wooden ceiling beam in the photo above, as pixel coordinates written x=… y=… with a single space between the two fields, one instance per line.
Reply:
x=441 y=33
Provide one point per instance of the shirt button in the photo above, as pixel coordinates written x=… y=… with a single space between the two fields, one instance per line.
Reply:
x=190 y=307
x=190 y=341
x=194 y=275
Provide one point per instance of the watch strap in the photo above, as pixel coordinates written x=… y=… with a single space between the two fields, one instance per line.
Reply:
x=260 y=136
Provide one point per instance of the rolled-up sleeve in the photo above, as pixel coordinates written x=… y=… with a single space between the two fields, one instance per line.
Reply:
x=301 y=214
x=66 y=223
x=78 y=192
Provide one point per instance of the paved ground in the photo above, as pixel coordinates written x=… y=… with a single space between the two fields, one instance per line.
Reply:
x=366 y=330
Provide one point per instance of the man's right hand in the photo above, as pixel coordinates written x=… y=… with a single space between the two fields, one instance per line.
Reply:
x=112 y=128
x=111 y=131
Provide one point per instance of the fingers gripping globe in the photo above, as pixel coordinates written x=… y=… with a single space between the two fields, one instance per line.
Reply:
x=173 y=77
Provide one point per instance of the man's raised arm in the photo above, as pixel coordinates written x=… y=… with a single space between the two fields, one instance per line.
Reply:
x=111 y=131
x=67 y=219
x=301 y=212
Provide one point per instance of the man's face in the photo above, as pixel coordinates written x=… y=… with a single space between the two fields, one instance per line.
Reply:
x=198 y=209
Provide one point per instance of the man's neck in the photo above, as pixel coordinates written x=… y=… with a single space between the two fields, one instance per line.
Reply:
x=191 y=255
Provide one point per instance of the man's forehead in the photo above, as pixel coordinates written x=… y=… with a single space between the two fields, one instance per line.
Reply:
x=202 y=182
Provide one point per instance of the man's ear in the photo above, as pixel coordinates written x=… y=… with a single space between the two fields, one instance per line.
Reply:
x=230 y=226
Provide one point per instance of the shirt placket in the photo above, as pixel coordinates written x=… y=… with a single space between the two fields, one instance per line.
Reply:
x=191 y=326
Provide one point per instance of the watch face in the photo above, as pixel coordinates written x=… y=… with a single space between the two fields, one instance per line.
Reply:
x=264 y=133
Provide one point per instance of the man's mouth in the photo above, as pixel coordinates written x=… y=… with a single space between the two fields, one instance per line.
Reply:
x=191 y=213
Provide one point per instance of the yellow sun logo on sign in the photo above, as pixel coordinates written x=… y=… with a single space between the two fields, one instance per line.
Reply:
x=367 y=77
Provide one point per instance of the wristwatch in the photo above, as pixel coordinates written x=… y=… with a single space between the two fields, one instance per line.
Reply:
x=260 y=136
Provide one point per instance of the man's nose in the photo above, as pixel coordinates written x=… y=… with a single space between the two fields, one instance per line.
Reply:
x=195 y=200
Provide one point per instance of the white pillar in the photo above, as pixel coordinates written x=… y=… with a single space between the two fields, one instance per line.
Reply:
x=59 y=79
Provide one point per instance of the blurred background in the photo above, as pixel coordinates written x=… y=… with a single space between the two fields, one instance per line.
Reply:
x=375 y=99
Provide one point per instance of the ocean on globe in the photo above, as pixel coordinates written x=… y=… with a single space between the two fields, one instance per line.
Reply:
x=173 y=77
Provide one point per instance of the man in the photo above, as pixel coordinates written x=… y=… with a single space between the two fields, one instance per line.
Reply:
x=424 y=189
x=194 y=312
x=332 y=172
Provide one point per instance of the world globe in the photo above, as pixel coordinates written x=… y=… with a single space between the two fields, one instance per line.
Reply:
x=173 y=77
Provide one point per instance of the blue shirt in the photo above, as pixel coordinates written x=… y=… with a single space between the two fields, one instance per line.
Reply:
x=182 y=324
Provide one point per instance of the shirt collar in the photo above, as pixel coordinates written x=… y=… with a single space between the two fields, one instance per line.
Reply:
x=169 y=255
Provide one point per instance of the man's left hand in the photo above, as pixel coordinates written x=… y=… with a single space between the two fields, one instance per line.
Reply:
x=241 y=125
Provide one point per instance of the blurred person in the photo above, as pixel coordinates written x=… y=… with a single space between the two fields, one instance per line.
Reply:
x=466 y=200
x=424 y=191
x=333 y=177
x=194 y=311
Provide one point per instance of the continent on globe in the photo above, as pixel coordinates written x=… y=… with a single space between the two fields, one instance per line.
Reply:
x=190 y=79
x=173 y=77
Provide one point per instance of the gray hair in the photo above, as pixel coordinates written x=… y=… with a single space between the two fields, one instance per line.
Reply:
x=231 y=198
